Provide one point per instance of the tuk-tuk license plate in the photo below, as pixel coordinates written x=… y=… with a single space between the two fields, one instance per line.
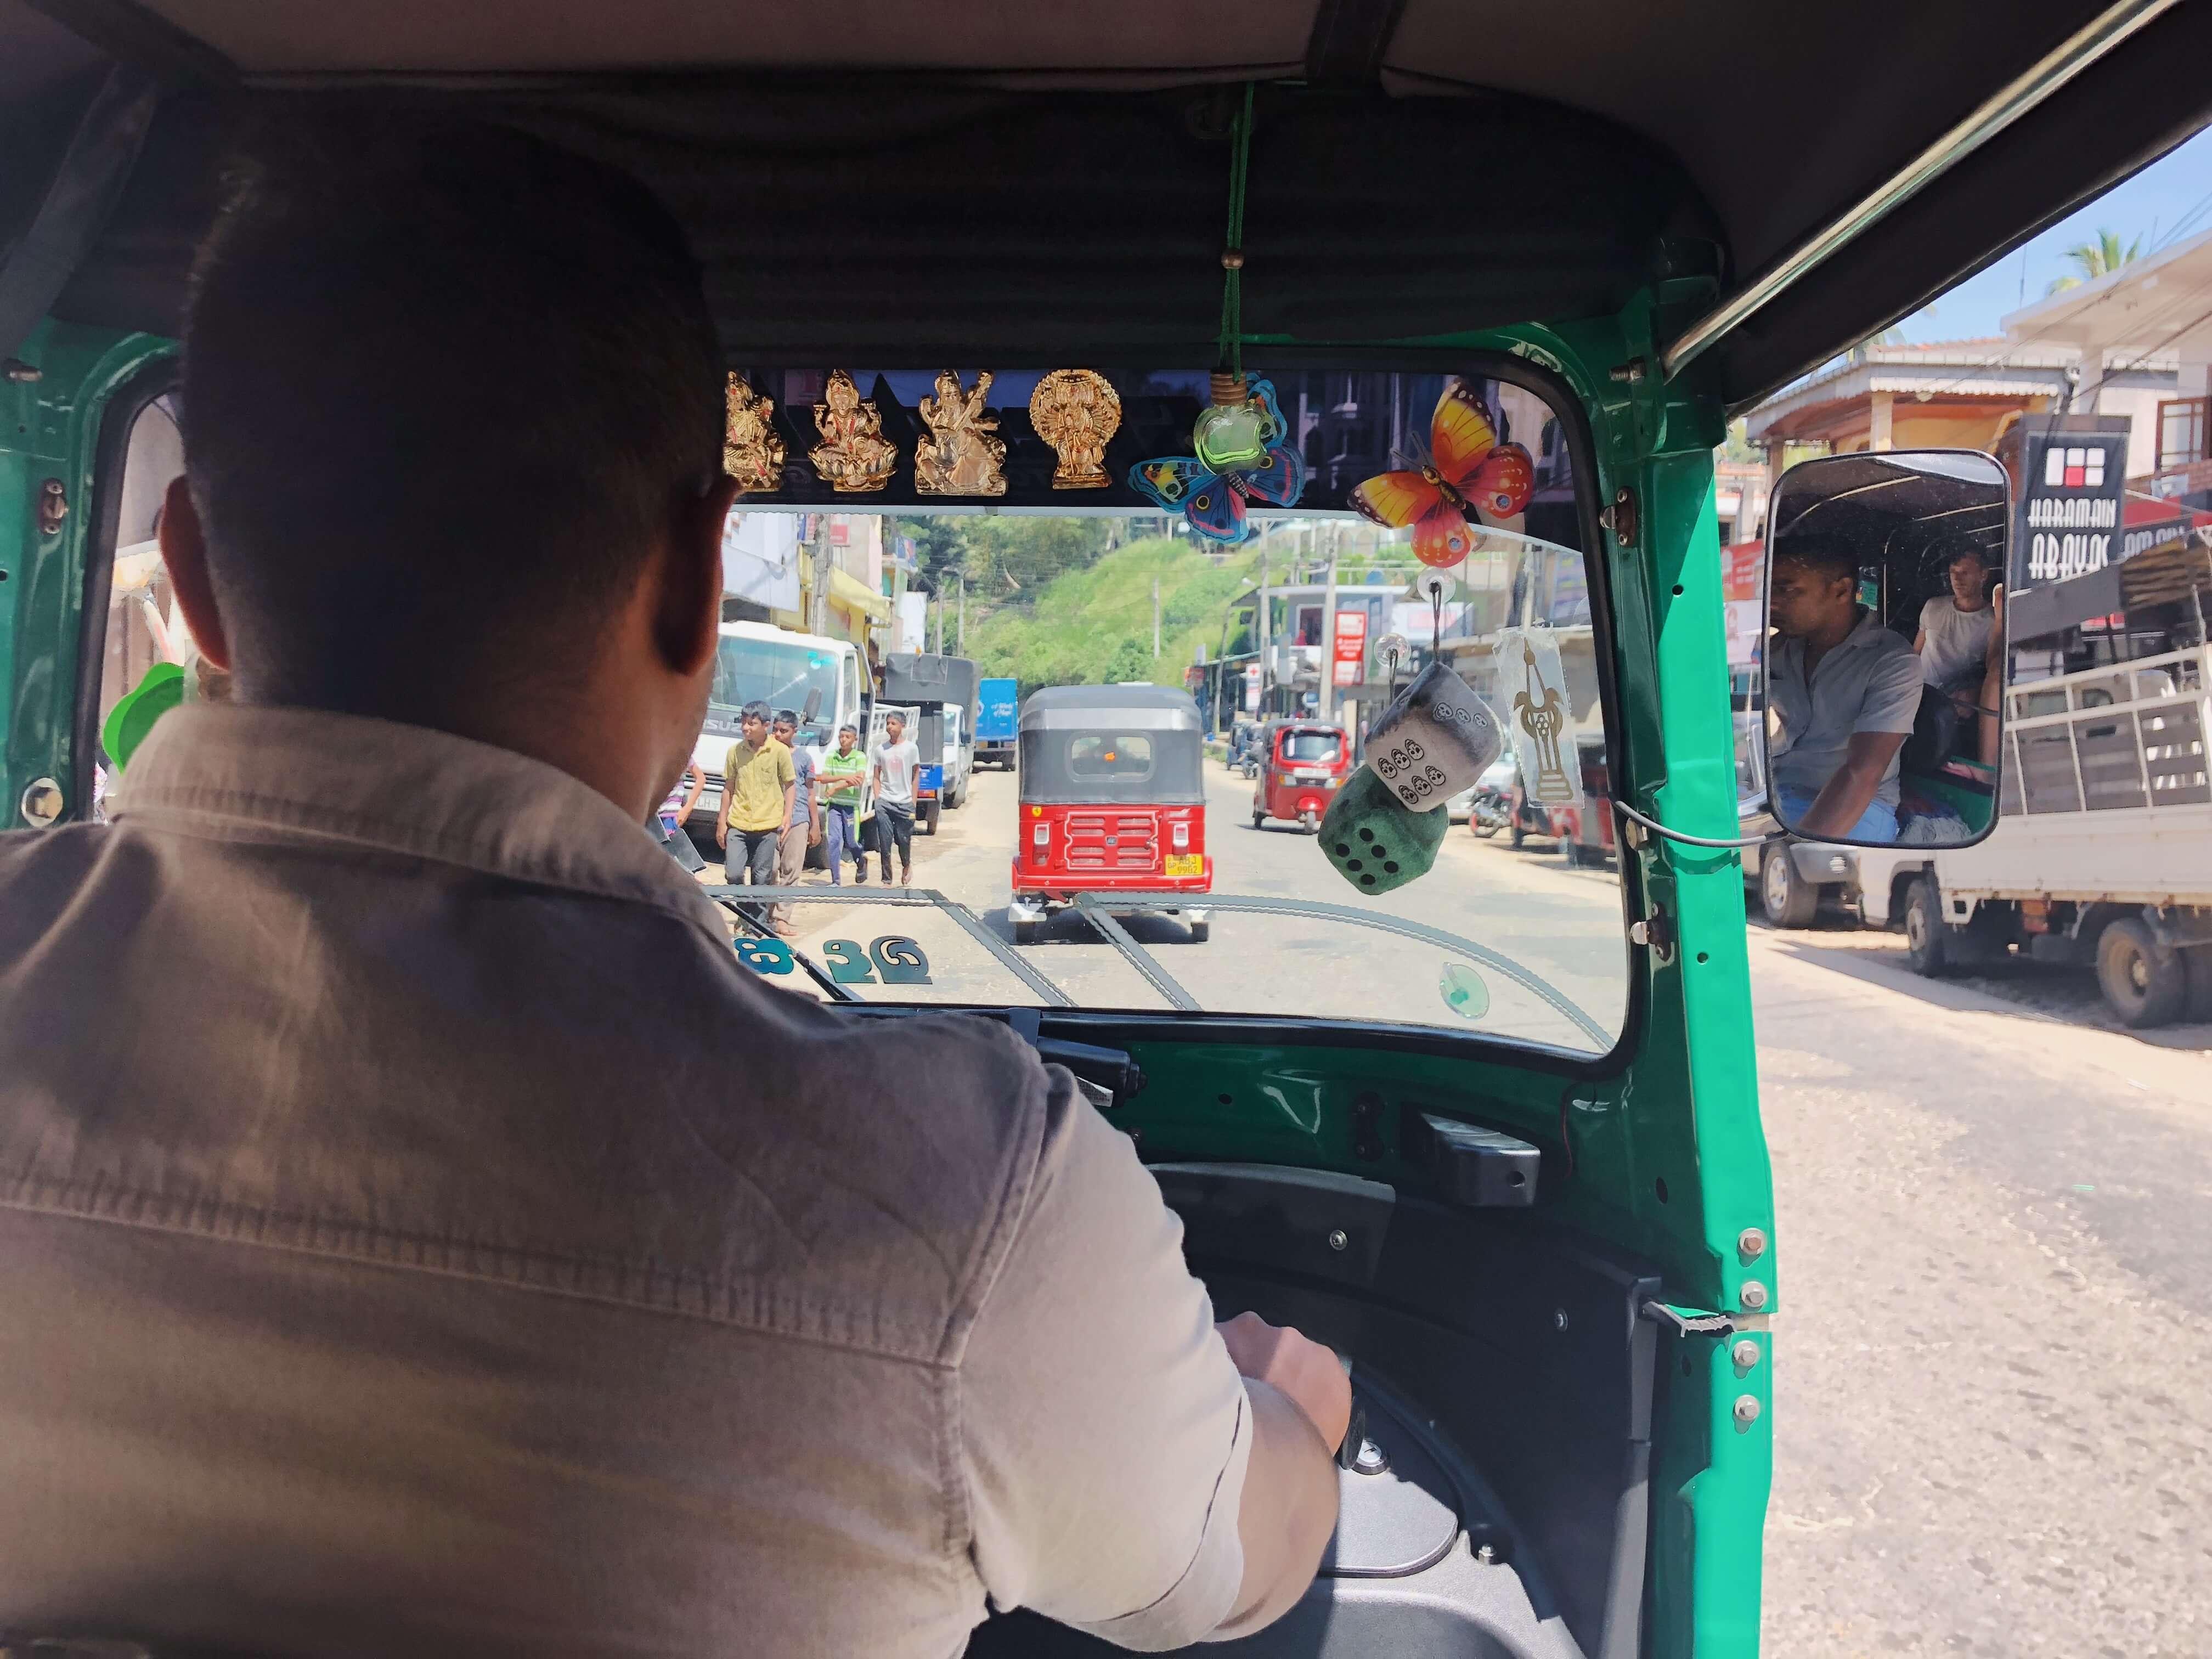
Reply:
x=1186 y=864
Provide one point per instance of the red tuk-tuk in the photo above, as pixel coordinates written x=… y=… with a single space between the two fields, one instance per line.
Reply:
x=1113 y=800
x=1302 y=766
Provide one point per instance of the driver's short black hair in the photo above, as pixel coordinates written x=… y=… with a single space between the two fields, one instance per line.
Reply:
x=442 y=385
x=1823 y=554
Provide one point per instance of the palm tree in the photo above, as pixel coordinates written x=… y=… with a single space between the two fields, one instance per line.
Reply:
x=2099 y=259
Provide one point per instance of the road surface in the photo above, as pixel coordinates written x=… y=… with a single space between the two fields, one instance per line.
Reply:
x=1993 y=1418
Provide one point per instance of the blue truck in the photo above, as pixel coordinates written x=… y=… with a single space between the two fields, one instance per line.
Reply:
x=998 y=708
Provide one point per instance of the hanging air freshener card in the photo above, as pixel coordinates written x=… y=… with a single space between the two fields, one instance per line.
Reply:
x=1542 y=719
x=1436 y=739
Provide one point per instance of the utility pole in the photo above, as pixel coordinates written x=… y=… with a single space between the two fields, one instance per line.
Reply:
x=938 y=600
x=1331 y=698
x=817 y=610
x=1155 y=618
x=963 y=646
x=1260 y=630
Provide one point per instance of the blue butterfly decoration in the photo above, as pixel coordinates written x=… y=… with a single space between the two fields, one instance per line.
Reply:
x=1214 y=502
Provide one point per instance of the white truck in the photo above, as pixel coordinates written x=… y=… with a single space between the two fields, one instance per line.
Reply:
x=2102 y=855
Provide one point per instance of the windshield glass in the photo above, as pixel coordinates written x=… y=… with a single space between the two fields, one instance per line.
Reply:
x=1135 y=849
x=1312 y=748
x=780 y=674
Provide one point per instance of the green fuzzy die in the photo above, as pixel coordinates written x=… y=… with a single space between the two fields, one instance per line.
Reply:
x=1375 y=843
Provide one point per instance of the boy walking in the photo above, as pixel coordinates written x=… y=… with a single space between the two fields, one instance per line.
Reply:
x=843 y=770
x=802 y=824
x=759 y=786
x=896 y=762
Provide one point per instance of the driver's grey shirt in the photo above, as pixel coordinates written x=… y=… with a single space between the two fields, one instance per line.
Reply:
x=1869 y=681
x=421 y=1236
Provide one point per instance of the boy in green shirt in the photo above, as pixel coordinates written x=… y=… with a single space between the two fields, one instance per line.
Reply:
x=842 y=773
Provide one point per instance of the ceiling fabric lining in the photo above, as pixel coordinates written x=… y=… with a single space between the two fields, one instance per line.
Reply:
x=1032 y=217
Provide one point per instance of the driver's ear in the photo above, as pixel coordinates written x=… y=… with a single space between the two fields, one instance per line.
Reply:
x=688 y=615
x=184 y=554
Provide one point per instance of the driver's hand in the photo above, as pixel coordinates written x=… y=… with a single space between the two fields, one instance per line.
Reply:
x=1296 y=1365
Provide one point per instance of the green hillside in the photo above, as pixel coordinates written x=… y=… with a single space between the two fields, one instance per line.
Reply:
x=1093 y=625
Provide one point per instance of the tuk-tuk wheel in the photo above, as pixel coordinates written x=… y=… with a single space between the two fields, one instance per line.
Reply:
x=1309 y=824
x=1200 y=931
x=1025 y=933
x=1259 y=820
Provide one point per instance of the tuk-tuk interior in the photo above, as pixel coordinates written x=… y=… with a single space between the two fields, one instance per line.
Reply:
x=1545 y=1243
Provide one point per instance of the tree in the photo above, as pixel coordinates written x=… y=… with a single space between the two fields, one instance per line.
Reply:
x=2099 y=259
x=1131 y=660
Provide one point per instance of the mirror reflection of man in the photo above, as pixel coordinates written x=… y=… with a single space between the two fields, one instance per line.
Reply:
x=1842 y=689
x=1961 y=646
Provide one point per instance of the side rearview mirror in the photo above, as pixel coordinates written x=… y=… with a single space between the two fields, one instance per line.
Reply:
x=814 y=709
x=1882 y=661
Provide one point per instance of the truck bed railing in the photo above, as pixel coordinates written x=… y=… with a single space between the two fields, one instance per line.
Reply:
x=2129 y=735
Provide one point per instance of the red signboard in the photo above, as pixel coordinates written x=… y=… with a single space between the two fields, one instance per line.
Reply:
x=1350 y=647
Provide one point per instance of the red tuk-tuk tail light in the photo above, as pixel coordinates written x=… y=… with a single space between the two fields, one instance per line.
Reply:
x=1041 y=835
x=1181 y=836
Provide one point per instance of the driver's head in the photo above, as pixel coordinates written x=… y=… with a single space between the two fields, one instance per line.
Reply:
x=1814 y=586
x=450 y=409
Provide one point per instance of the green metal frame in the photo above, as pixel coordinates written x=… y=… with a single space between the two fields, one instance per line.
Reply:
x=1662 y=1154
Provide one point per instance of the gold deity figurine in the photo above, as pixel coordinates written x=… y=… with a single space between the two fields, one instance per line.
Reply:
x=751 y=452
x=960 y=456
x=853 y=456
x=1077 y=412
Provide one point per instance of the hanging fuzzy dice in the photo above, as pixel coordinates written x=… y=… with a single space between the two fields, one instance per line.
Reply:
x=1385 y=825
x=1437 y=739
x=1466 y=475
x=1245 y=433
x=1375 y=843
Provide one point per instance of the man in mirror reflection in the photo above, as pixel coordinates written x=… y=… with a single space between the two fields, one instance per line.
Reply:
x=1844 y=690
x=1961 y=646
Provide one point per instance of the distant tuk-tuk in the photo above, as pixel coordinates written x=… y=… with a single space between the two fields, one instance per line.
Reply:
x=1112 y=801
x=1303 y=764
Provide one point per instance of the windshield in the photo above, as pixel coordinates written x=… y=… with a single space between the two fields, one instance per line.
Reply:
x=1128 y=855
x=782 y=674
x=1312 y=748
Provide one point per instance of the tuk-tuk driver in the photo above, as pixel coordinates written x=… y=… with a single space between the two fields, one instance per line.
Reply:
x=1842 y=692
x=422 y=1236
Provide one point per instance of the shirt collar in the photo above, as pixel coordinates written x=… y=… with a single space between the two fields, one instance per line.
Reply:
x=236 y=771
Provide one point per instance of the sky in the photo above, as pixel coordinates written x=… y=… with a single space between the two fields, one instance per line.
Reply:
x=2153 y=204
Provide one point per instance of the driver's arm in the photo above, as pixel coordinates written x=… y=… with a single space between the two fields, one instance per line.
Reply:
x=1844 y=797
x=1122 y=1476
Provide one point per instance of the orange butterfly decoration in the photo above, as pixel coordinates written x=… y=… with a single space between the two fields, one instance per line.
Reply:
x=1467 y=470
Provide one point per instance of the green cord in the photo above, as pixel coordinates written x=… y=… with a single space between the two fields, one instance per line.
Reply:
x=1231 y=347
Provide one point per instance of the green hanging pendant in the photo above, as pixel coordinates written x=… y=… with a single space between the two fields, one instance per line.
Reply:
x=1231 y=433
x=1375 y=843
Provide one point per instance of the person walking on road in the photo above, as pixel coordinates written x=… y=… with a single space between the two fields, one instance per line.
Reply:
x=759 y=785
x=896 y=762
x=802 y=823
x=841 y=772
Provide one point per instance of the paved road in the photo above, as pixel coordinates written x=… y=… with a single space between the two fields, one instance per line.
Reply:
x=1993 y=1419
x=1993 y=1412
